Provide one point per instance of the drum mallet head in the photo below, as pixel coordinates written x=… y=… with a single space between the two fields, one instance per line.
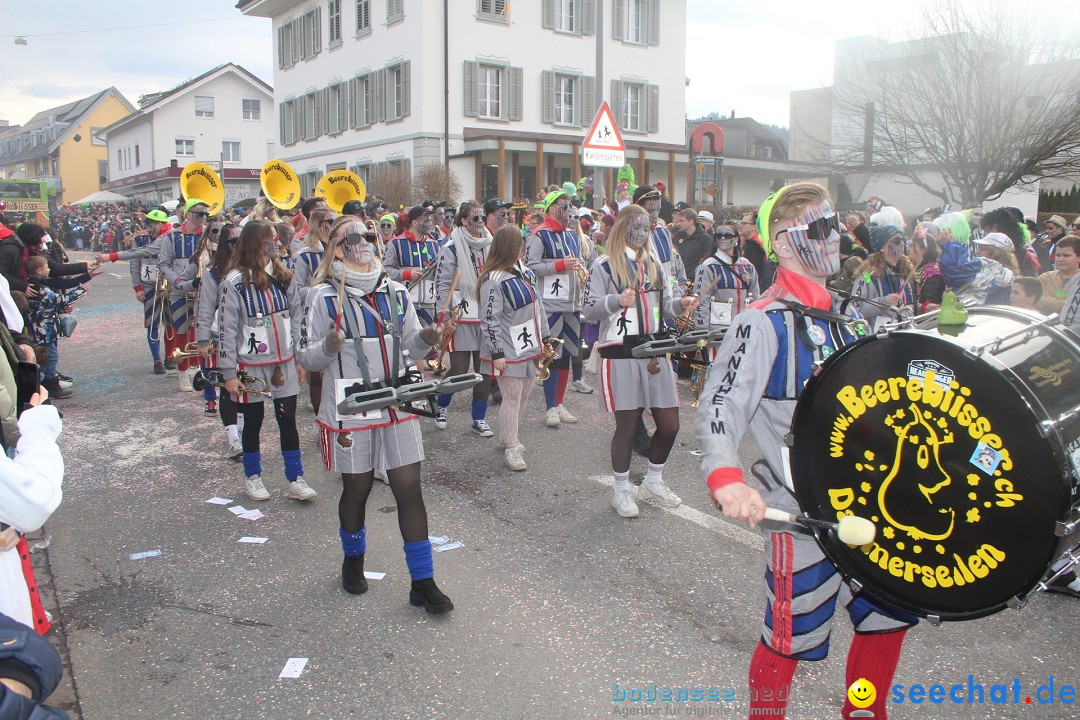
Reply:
x=852 y=529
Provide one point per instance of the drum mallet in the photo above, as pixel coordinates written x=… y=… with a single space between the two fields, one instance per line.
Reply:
x=852 y=530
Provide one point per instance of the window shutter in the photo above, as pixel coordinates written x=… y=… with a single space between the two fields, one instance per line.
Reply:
x=471 y=90
x=548 y=101
x=652 y=94
x=549 y=14
x=588 y=100
x=618 y=19
x=363 y=16
x=281 y=124
x=333 y=107
x=406 y=84
x=653 y=29
x=517 y=92
x=618 y=103
x=318 y=32
x=587 y=21
x=280 y=47
x=296 y=32
x=380 y=95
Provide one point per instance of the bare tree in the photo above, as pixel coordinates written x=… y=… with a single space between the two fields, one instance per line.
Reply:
x=437 y=181
x=393 y=183
x=978 y=103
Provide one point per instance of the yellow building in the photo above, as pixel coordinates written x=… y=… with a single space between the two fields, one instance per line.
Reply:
x=59 y=145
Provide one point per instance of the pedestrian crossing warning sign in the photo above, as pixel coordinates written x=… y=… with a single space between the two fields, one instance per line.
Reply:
x=603 y=146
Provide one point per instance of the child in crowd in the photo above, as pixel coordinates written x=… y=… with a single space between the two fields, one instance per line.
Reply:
x=1025 y=293
x=44 y=317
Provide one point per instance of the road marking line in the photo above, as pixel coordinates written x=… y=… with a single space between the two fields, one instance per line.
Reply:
x=116 y=275
x=709 y=522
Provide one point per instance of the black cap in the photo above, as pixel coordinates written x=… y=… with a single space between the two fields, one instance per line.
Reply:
x=496 y=204
x=353 y=207
x=645 y=192
x=418 y=211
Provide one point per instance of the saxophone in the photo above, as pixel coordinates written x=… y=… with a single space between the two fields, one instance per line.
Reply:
x=436 y=365
x=547 y=354
x=697 y=382
x=685 y=323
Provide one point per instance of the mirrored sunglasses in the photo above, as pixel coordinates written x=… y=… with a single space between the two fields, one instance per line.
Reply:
x=819 y=229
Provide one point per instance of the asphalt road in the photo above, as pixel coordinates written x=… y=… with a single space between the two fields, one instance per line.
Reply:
x=558 y=600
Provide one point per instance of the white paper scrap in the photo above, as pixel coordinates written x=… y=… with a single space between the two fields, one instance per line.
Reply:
x=141 y=555
x=293 y=668
x=238 y=509
x=438 y=539
x=374 y=575
x=252 y=515
x=255 y=540
x=449 y=546
x=219 y=501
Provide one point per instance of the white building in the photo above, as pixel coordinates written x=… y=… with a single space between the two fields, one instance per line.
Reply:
x=224 y=118
x=502 y=91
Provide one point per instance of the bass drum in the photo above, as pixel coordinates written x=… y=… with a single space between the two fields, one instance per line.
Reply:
x=960 y=444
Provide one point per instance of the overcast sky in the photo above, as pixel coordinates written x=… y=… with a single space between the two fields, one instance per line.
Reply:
x=741 y=55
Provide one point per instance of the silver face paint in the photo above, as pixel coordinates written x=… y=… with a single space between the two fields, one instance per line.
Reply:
x=638 y=233
x=818 y=258
x=426 y=224
x=653 y=208
x=894 y=250
x=562 y=211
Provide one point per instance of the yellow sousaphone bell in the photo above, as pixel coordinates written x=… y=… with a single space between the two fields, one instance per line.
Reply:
x=280 y=184
x=339 y=187
x=198 y=180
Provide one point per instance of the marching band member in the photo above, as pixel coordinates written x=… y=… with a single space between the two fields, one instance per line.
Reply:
x=496 y=214
x=305 y=261
x=361 y=329
x=514 y=330
x=630 y=294
x=260 y=313
x=767 y=360
x=886 y=275
x=190 y=281
x=142 y=260
x=177 y=247
x=464 y=257
x=207 y=328
x=553 y=252
x=410 y=258
x=386 y=226
x=734 y=284
x=309 y=206
x=649 y=198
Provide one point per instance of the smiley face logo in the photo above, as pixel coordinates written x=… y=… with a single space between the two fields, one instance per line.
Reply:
x=862 y=693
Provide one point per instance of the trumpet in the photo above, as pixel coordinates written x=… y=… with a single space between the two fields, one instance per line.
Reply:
x=191 y=350
x=252 y=385
x=685 y=323
x=582 y=275
x=436 y=365
x=697 y=382
x=547 y=354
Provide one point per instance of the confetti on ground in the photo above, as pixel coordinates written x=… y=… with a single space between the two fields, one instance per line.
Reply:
x=374 y=575
x=438 y=539
x=238 y=510
x=219 y=501
x=141 y=555
x=254 y=540
x=293 y=668
x=449 y=546
x=252 y=515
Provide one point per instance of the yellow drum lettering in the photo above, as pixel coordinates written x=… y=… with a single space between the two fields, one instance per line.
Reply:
x=850 y=400
x=841 y=498
x=881 y=390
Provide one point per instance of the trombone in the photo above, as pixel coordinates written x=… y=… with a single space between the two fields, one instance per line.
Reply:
x=191 y=350
x=252 y=385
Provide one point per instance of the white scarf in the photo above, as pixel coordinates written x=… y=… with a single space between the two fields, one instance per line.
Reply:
x=465 y=245
x=364 y=282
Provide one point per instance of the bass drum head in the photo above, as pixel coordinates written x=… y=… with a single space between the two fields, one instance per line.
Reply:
x=943 y=454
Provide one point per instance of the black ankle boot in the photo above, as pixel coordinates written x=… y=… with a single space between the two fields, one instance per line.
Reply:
x=352 y=575
x=426 y=594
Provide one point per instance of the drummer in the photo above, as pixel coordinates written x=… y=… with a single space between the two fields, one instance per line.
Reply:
x=801 y=231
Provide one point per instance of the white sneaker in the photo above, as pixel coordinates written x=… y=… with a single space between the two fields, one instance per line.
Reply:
x=300 y=490
x=565 y=416
x=65 y=384
x=255 y=489
x=623 y=502
x=660 y=494
x=513 y=459
x=520 y=448
x=440 y=418
x=481 y=428
x=380 y=474
x=172 y=373
x=236 y=448
x=552 y=419
x=582 y=387
x=184 y=380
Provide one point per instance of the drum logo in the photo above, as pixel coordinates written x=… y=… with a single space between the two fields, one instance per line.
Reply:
x=925 y=465
x=1053 y=375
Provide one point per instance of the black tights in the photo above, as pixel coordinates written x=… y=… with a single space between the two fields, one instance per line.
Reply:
x=227 y=409
x=284 y=412
x=667 y=427
x=459 y=363
x=405 y=484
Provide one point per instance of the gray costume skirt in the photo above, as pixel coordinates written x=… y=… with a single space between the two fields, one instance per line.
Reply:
x=466 y=338
x=290 y=386
x=387 y=447
x=626 y=384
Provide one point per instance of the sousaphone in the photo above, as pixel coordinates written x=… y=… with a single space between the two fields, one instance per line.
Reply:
x=339 y=187
x=198 y=180
x=280 y=184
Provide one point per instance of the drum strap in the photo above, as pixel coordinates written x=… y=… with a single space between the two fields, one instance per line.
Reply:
x=851 y=323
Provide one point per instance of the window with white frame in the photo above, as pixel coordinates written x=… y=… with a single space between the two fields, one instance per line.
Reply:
x=395 y=11
x=310 y=127
x=568 y=97
x=287 y=122
x=565 y=88
x=252 y=108
x=631 y=109
x=362 y=100
x=333 y=17
x=565 y=18
x=363 y=17
x=572 y=17
x=768 y=152
x=300 y=38
x=204 y=106
x=636 y=105
x=230 y=151
x=95 y=138
x=489 y=91
x=185 y=147
x=396 y=84
x=338 y=108
x=636 y=21
x=492 y=10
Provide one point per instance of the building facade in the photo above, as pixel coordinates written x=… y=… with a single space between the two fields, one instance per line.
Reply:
x=59 y=145
x=503 y=93
x=224 y=118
